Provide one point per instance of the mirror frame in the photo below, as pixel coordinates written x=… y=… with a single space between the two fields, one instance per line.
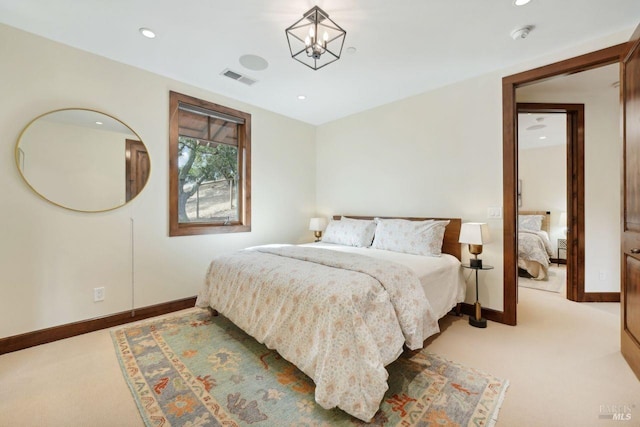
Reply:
x=17 y=152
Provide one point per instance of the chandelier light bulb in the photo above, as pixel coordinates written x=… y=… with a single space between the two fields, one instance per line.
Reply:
x=315 y=40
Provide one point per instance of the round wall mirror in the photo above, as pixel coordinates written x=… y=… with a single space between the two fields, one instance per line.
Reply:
x=82 y=160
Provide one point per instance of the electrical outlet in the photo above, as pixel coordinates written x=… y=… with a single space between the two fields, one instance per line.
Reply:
x=494 y=212
x=603 y=275
x=98 y=294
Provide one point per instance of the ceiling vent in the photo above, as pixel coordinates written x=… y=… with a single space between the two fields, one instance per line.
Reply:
x=238 y=77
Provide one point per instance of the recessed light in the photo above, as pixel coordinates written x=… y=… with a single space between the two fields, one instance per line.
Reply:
x=302 y=97
x=521 y=2
x=98 y=123
x=147 y=33
x=351 y=50
x=543 y=137
x=521 y=33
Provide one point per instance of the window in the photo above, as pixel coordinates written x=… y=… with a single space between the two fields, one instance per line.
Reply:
x=209 y=167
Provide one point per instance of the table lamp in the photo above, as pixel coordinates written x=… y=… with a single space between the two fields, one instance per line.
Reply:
x=475 y=234
x=317 y=225
x=563 y=222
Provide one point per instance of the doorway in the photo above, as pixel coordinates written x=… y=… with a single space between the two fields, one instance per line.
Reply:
x=567 y=196
x=586 y=62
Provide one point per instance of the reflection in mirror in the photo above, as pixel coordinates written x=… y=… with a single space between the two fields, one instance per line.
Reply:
x=82 y=160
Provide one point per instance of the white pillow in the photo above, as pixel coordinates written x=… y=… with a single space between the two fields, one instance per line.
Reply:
x=412 y=237
x=350 y=232
x=530 y=222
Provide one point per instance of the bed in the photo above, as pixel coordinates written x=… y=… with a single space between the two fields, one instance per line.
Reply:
x=344 y=308
x=534 y=246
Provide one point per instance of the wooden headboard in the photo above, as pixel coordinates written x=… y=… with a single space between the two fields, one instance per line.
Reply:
x=450 y=244
x=546 y=220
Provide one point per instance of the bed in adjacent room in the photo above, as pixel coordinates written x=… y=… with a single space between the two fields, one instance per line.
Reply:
x=344 y=308
x=534 y=246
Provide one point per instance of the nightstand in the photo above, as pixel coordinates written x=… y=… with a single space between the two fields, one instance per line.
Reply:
x=477 y=320
x=562 y=245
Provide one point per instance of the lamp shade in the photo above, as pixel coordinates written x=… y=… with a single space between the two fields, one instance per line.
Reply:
x=474 y=233
x=563 y=219
x=317 y=224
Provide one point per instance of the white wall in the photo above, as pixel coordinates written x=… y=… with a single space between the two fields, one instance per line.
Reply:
x=438 y=153
x=603 y=161
x=52 y=258
x=75 y=166
x=434 y=154
x=543 y=172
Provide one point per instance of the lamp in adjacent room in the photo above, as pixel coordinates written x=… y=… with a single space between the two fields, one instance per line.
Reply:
x=317 y=225
x=475 y=234
x=563 y=222
x=315 y=40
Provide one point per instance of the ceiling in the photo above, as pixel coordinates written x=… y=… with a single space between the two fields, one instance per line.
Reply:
x=402 y=47
x=536 y=130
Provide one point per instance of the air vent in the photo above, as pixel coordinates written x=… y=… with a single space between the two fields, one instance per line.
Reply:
x=238 y=77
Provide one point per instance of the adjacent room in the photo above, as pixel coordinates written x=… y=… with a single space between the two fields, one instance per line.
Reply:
x=334 y=213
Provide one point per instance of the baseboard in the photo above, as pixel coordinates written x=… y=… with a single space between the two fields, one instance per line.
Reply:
x=601 y=297
x=43 y=336
x=487 y=313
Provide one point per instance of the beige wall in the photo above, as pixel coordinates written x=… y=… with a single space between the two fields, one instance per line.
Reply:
x=435 y=154
x=603 y=162
x=52 y=258
x=543 y=172
x=75 y=166
x=438 y=153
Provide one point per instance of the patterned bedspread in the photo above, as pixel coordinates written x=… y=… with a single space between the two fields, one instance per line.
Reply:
x=534 y=250
x=339 y=317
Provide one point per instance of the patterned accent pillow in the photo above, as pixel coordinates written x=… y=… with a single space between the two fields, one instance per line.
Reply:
x=350 y=232
x=530 y=222
x=412 y=237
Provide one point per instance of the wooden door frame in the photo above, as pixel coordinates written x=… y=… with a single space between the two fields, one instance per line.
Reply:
x=130 y=166
x=610 y=55
x=574 y=189
x=629 y=340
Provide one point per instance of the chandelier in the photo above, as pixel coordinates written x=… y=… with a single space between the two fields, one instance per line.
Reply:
x=315 y=40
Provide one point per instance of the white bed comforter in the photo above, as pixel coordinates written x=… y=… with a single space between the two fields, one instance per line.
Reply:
x=534 y=250
x=339 y=317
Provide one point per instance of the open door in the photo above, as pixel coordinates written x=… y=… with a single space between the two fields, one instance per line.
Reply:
x=630 y=292
x=136 y=167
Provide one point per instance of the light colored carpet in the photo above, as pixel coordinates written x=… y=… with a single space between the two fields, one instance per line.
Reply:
x=556 y=281
x=563 y=363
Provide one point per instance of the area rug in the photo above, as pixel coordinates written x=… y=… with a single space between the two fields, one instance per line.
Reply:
x=196 y=370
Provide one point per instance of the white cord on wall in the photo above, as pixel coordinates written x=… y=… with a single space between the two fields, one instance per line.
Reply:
x=133 y=276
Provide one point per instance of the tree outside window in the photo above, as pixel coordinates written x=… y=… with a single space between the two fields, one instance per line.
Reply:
x=209 y=169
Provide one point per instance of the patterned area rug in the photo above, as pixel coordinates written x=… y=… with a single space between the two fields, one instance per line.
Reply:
x=195 y=370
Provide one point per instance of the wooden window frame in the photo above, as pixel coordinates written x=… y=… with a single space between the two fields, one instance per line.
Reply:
x=244 y=167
